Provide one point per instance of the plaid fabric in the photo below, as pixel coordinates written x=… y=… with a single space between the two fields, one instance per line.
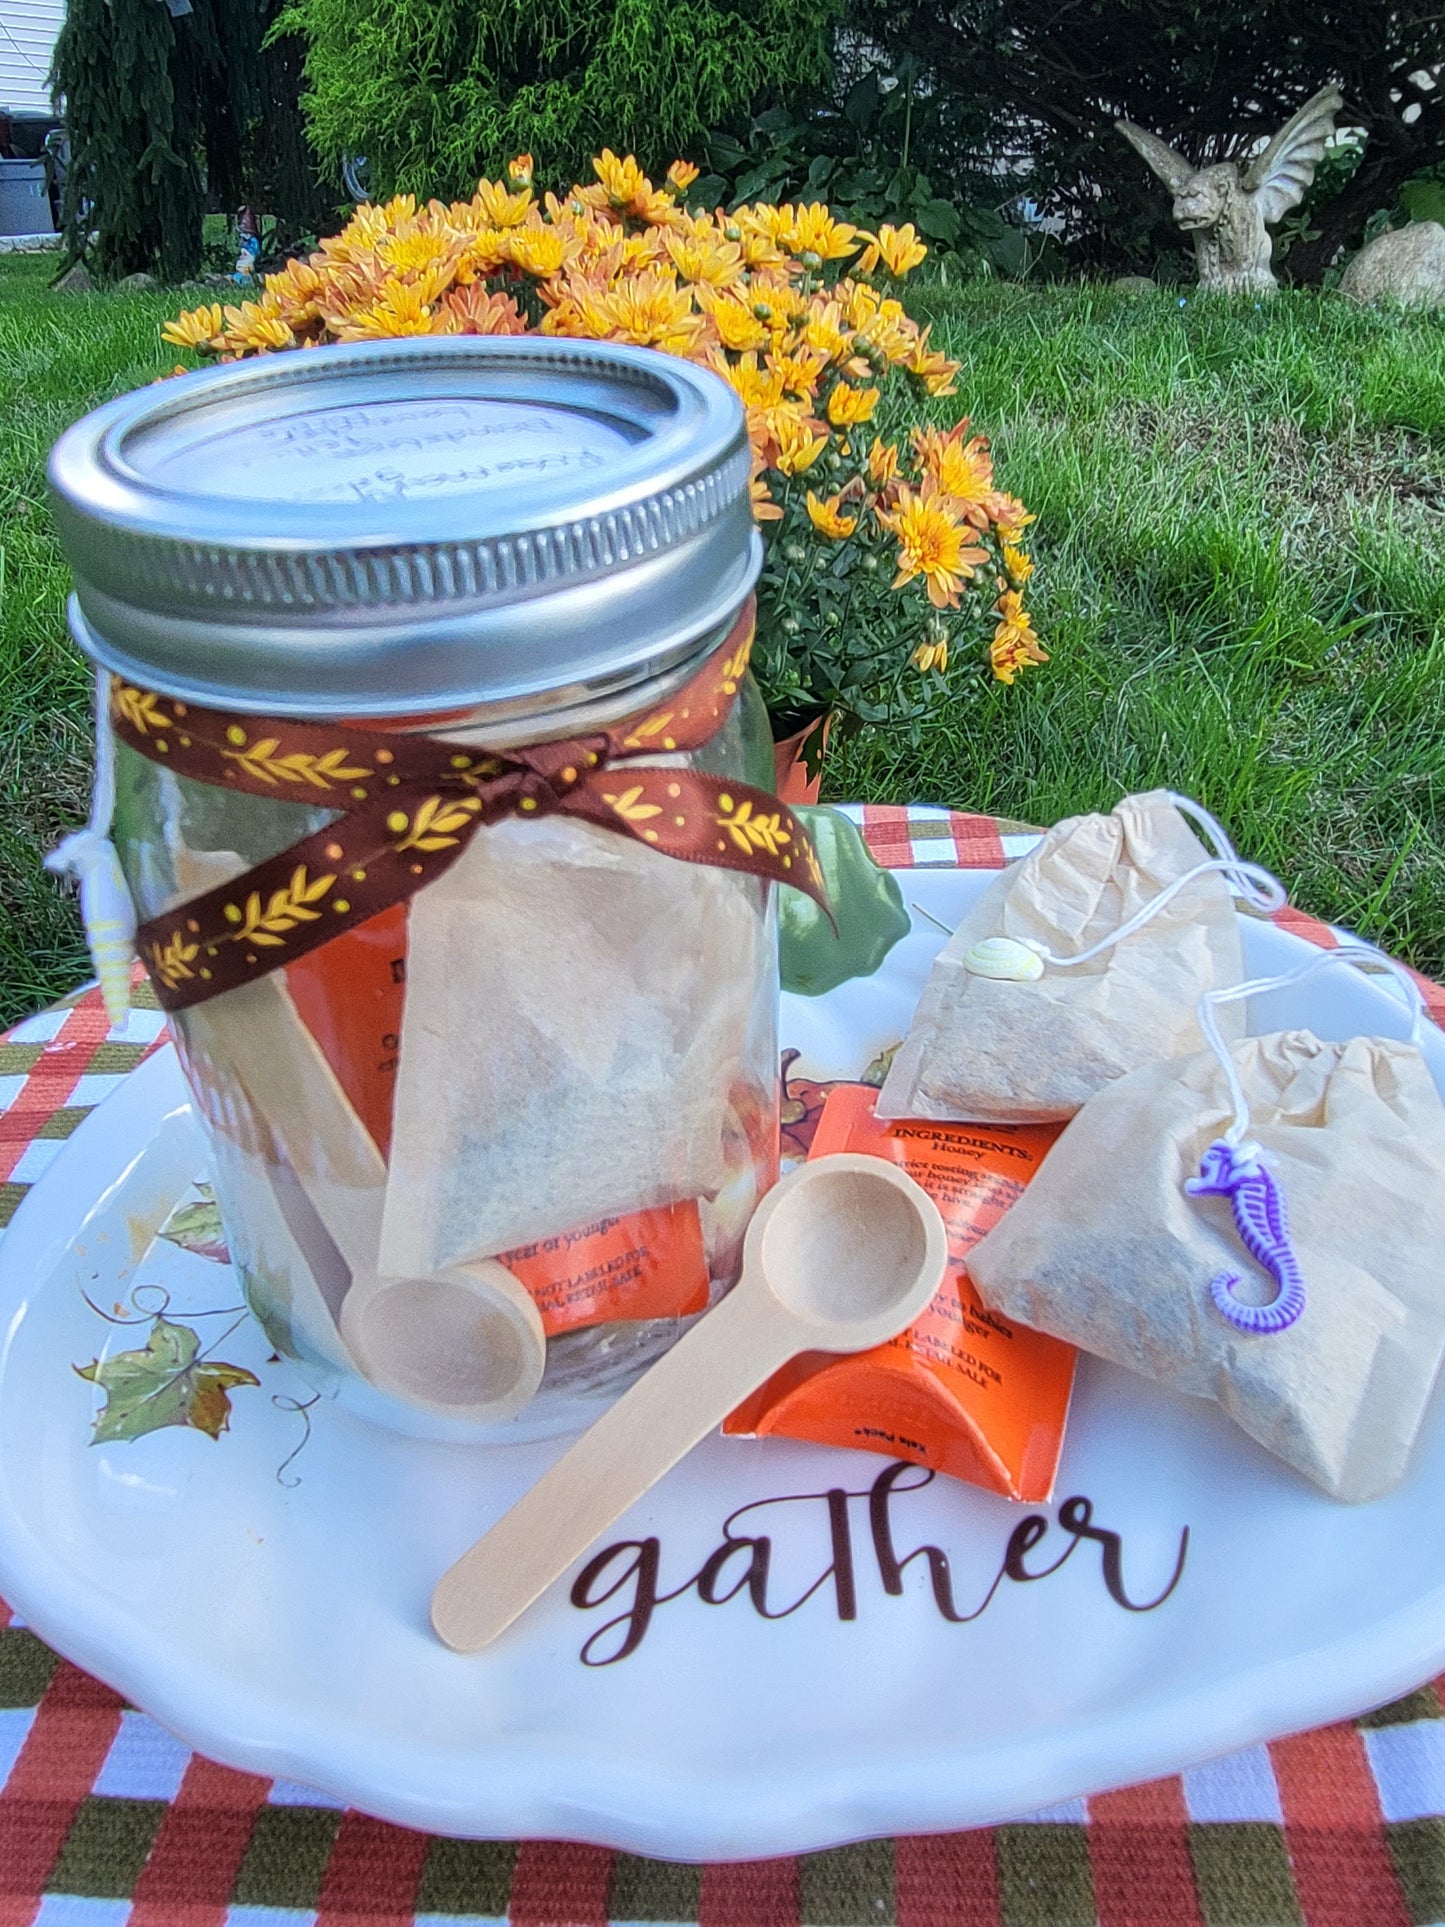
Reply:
x=105 y=1820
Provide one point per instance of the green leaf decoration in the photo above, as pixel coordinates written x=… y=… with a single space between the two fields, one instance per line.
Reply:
x=166 y=1384
x=866 y=900
x=197 y=1227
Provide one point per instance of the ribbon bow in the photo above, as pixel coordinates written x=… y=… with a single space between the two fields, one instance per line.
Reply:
x=409 y=805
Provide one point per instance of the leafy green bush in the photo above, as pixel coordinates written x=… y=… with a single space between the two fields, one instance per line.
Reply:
x=858 y=151
x=436 y=92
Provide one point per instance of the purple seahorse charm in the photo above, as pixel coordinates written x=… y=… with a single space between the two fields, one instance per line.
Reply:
x=1237 y=1172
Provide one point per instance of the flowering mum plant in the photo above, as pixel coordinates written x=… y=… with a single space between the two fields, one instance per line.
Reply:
x=893 y=559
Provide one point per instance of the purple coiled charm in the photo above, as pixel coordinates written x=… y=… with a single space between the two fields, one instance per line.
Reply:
x=1237 y=1172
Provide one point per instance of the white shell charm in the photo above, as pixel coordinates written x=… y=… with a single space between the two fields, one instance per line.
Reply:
x=1004 y=958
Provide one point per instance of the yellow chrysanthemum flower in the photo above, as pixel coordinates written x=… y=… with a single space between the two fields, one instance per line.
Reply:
x=882 y=462
x=930 y=655
x=297 y=282
x=930 y=544
x=705 y=258
x=798 y=446
x=934 y=370
x=765 y=509
x=536 y=249
x=889 y=332
x=648 y=309
x=401 y=308
x=958 y=469
x=859 y=301
x=257 y=326
x=849 y=406
x=1009 y=516
x=500 y=208
x=899 y=248
x=828 y=519
x=813 y=230
x=200 y=328
x=681 y=175
x=799 y=372
x=757 y=387
x=623 y=179
x=761 y=217
x=519 y=171
x=737 y=326
x=418 y=250
x=367 y=226
x=476 y=312
x=824 y=332
x=625 y=189
x=1009 y=653
x=1015 y=646
x=1020 y=566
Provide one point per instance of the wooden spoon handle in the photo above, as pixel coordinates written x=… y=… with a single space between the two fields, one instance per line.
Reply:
x=678 y=1402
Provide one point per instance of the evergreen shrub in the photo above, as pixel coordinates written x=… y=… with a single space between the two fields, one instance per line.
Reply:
x=437 y=92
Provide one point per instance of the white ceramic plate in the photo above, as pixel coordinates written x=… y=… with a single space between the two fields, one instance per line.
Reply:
x=275 y=1616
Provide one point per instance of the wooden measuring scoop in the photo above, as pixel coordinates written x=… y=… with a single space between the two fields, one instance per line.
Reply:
x=466 y=1343
x=840 y=1256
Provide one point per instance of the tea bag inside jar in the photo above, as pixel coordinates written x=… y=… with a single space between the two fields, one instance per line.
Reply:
x=1036 y=1045
x=1262 y=1227
x=577 y=1014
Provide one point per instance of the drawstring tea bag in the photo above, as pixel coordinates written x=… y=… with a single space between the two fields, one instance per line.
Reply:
x=1260 y=1223
x=1234 y=1165
x=1077 y=965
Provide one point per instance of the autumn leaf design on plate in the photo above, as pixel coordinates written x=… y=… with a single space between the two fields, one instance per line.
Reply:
x=196 y=1226
x=169 y=1383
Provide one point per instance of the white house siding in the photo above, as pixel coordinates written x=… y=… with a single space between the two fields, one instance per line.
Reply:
x=28 y=29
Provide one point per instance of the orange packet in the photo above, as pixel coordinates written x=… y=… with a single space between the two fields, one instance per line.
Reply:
x=650 y=1264
x=350 y=994
x=963 y=1390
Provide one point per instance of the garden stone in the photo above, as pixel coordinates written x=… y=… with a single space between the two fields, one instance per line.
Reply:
x=75 y=280
x=1134 y=284
x=1229 y=208
x=134 y=283
x=1405 y=265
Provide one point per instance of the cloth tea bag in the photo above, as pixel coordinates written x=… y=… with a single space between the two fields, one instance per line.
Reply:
x=577 y=1013
x=1079 y=963
x=1261 y=1223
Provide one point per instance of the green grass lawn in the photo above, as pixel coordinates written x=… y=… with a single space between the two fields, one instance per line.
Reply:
x=1241 y=578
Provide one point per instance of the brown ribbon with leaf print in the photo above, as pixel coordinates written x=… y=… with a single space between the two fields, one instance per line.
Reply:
x=410 y=805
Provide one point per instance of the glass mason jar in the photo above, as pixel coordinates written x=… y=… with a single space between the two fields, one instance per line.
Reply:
x=485 y=1150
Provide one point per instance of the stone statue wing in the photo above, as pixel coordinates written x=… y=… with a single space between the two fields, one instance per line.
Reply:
x=1279 y=176
x=1172 y=168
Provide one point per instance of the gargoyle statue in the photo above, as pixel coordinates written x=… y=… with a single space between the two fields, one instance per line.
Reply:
x=1229 y=208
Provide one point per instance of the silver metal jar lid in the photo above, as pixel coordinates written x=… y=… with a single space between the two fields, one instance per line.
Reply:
x=509 y=523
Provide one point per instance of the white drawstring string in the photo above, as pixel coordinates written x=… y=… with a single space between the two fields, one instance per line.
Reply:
x=1266 y=895
x=1360 y=954
x=1251 y=883
x=1022 y=959
x=89 y=856
x=1254 y=884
